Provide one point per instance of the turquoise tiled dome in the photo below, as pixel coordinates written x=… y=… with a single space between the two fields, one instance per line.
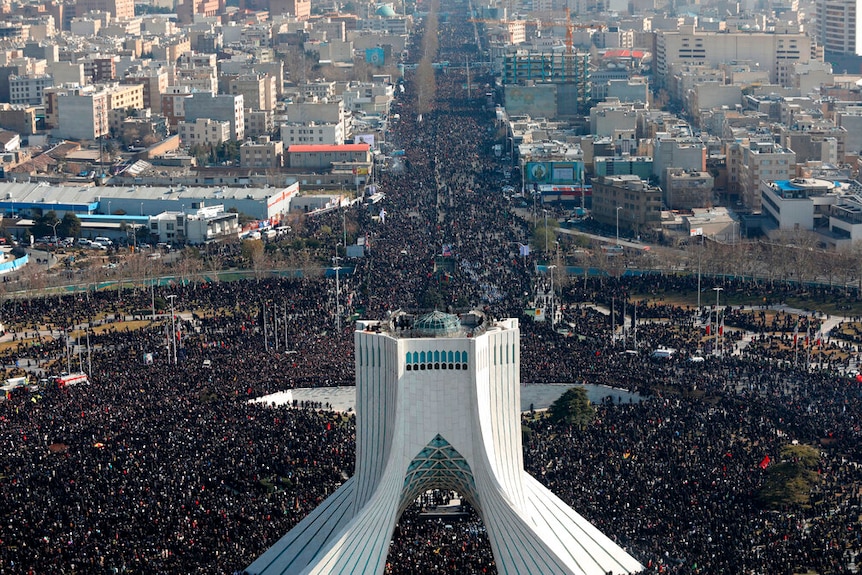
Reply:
x=385 y=10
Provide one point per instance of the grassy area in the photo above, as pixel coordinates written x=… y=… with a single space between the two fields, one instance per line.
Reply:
x=682 y=298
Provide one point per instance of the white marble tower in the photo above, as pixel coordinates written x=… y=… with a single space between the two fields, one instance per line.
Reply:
x=438 y=407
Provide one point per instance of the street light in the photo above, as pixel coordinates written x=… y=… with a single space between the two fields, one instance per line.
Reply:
x=717 y=291
x=618 y=224
x=173 y=327
x=337 y=291
x=551 y=269
x=546 y=231
x=54 y=240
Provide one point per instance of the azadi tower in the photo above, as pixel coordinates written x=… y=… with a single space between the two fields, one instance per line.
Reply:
x=438 y=407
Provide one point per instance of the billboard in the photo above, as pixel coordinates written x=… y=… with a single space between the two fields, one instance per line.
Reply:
x=554 y=172
x=364 y=139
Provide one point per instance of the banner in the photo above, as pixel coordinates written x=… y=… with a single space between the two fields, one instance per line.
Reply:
x=554 y=172
x=364 y=139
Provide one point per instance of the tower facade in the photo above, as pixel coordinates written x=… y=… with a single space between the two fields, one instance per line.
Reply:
x=839 y=26
x=438 y=407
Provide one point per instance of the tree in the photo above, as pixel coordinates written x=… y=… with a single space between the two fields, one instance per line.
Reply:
x=426 y=86
x=789 y=481
x=43 y=225
x=70 y=226
x=545 y=236
x=573 y=408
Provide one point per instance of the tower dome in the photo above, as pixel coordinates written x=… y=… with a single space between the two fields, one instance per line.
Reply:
x=437 y=324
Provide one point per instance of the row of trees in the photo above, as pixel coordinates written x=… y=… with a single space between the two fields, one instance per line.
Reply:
x=786 y=257
x=68 y=227
x=426 y=83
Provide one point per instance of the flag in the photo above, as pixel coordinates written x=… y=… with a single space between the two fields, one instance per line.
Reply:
x=807 y=334
x=382 y=216
x=447 y=251
x=524 y=250
x=764 y=463
x=795 y=334
x=721 y=326
x=819 y=337
x=708 y=324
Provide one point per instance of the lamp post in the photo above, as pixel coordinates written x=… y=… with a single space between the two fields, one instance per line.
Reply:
x=109 y=207
x=717 y=291
x=337 y=291
x=546 y=231
x=618 y=224
x=551 y=269
x=54 y=241
x=173 y=327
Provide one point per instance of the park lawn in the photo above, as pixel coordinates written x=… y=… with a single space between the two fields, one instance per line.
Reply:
x=119 y=326
x=736 y=298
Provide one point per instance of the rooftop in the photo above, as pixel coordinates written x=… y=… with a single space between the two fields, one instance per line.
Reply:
x=433 y=324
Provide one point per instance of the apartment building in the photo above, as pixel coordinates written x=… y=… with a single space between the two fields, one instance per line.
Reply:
x=28 y=90
x=223 y=107
x=262 y=154
x=203 y=132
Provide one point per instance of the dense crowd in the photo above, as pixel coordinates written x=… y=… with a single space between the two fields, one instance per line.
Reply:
x=164 y=466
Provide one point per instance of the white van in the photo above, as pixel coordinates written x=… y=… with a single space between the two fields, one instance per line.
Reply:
x=663 y=353
x=104 y=241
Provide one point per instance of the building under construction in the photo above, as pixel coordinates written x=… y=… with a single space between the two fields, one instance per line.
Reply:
x=568 y=72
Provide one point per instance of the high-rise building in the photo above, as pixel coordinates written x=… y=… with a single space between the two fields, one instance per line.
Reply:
x=776 y=53
x=438 y=407
x=839 y=28
x=755 y=162
x=119 y=9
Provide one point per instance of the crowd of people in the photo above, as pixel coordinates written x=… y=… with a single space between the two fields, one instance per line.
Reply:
x=164 y=466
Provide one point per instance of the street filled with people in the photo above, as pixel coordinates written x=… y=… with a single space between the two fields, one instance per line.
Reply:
x=161 y=465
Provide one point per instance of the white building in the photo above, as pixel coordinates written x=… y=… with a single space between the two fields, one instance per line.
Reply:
x=195 y=227
x=438 y=407
x=203 y=132
x=797 y=204
x=775 y=52
x=312 y=133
